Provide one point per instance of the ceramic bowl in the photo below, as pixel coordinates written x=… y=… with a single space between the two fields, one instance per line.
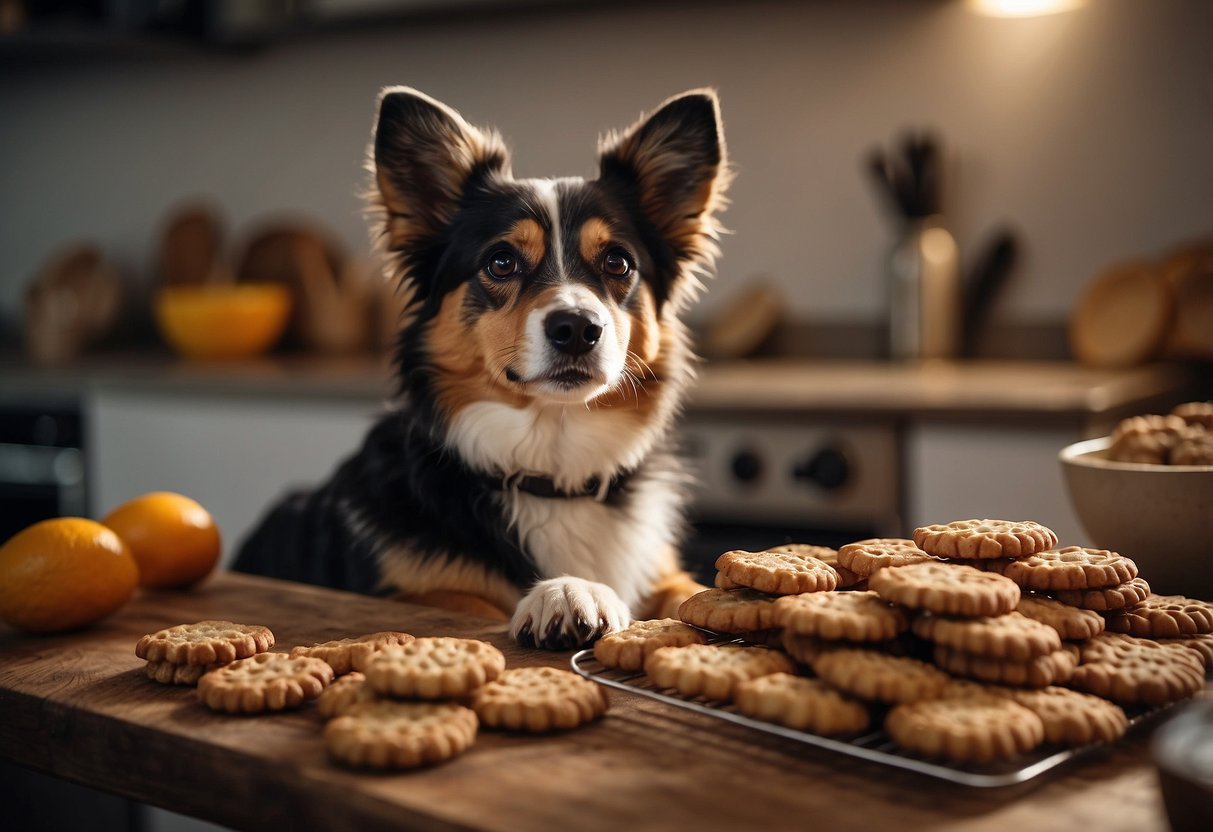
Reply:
x=1161 y=516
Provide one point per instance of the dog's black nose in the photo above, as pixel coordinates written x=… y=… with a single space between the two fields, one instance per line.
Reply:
x=572 y=332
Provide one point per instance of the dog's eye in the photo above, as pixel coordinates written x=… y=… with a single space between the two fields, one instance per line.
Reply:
x=502 y=264
x=616 y=263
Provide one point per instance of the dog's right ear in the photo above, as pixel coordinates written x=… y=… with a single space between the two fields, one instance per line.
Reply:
x=424 y=157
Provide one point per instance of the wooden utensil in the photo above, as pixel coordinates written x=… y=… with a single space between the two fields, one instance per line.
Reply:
x=190 y=247
x=1122 y=318
x=72 y=302
x=332 y=295
x=335 y=313
x=1189 y=274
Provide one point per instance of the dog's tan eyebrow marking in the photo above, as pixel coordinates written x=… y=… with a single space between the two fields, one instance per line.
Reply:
x=527 y=237
x=595 y=234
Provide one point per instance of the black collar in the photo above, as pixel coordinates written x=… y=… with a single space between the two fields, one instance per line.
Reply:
x=546 y=487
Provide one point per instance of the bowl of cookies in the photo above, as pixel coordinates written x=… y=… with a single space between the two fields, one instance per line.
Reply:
x=1146 y=491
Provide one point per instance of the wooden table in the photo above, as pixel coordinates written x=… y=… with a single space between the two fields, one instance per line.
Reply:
x=79 y=707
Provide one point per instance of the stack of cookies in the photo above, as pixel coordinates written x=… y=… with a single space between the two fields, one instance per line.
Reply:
x=954 y=640
x=232 y=667
x=183 y=654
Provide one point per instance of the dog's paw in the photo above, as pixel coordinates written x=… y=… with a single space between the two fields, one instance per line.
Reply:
x=563 y=613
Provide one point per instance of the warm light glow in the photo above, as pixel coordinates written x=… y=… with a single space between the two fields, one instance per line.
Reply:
x=1023 y=8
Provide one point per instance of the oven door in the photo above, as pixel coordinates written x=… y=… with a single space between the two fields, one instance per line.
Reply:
x=766 y=480
x=41 y=467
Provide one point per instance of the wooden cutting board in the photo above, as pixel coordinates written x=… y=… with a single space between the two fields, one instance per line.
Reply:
x=78 y=706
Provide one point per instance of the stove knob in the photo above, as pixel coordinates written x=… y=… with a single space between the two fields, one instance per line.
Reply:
x=827 y=468
x=747 y=466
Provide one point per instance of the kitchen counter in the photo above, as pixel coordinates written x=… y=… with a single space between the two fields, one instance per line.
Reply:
x=937 y=388
x=78 y=706
x=1039 y=389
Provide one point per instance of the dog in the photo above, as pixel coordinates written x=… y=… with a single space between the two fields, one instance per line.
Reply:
x=525 y=468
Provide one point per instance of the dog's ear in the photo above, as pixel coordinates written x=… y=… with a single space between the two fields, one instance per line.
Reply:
x=673 y=164
x=424 y=156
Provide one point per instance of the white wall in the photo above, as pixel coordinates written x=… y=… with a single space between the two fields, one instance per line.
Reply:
x=1092 y=130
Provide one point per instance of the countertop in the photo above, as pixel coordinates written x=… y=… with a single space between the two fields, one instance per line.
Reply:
x=1049 y=389
x=78 y=706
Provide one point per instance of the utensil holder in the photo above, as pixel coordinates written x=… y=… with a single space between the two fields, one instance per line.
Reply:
x=924 y=292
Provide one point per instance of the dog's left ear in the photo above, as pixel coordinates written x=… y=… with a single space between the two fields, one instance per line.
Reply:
x=674 y=164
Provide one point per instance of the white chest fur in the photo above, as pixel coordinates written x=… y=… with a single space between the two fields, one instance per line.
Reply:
x=569 y=443
x=621 y=547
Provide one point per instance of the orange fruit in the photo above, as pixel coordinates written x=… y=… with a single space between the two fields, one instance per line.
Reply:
x=64 y=573
x=174 y=540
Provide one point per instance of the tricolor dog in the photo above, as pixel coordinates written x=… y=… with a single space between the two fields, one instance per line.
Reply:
x=525 y=466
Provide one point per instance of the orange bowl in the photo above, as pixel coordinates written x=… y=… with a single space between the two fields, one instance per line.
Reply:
x=222 y=321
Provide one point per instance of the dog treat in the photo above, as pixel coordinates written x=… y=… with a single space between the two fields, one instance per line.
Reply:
x=1037 y=672
x=264 y=682
x=1134 y=671
x=800 y=703
x=782 y=571
x=712 y=671
x=984 y=539
x=1012 y=636
x=1074 y=567
x=538 y=699
x=1194 y=447
x=866 y=556
x=1202 y=645
x=346 y=654
x=1071 y=718
x=845 y=616
x=207 y=642
x=1146 y=439
x=346 y=692
x=434 y=668
x=847 y=577
x=946 y=589
x=729 y=611
x=1195 y=413
x=880 y=677
x=627 y=649
x=1164 y=616
x=387 y=734
x=167 y=673
x=1071 y=623
x=1109 y=598
x=966 y=730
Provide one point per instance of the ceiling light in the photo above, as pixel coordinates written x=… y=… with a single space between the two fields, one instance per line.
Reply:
x=1023 y=8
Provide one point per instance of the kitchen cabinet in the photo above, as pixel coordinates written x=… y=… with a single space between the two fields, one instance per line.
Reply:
x=234 y=454
x=955 y=472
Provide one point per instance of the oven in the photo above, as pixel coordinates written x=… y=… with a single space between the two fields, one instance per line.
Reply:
x=768 y=478
x=41 y=465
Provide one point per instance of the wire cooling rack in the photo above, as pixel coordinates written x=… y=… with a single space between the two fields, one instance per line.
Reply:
x=874 y=746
